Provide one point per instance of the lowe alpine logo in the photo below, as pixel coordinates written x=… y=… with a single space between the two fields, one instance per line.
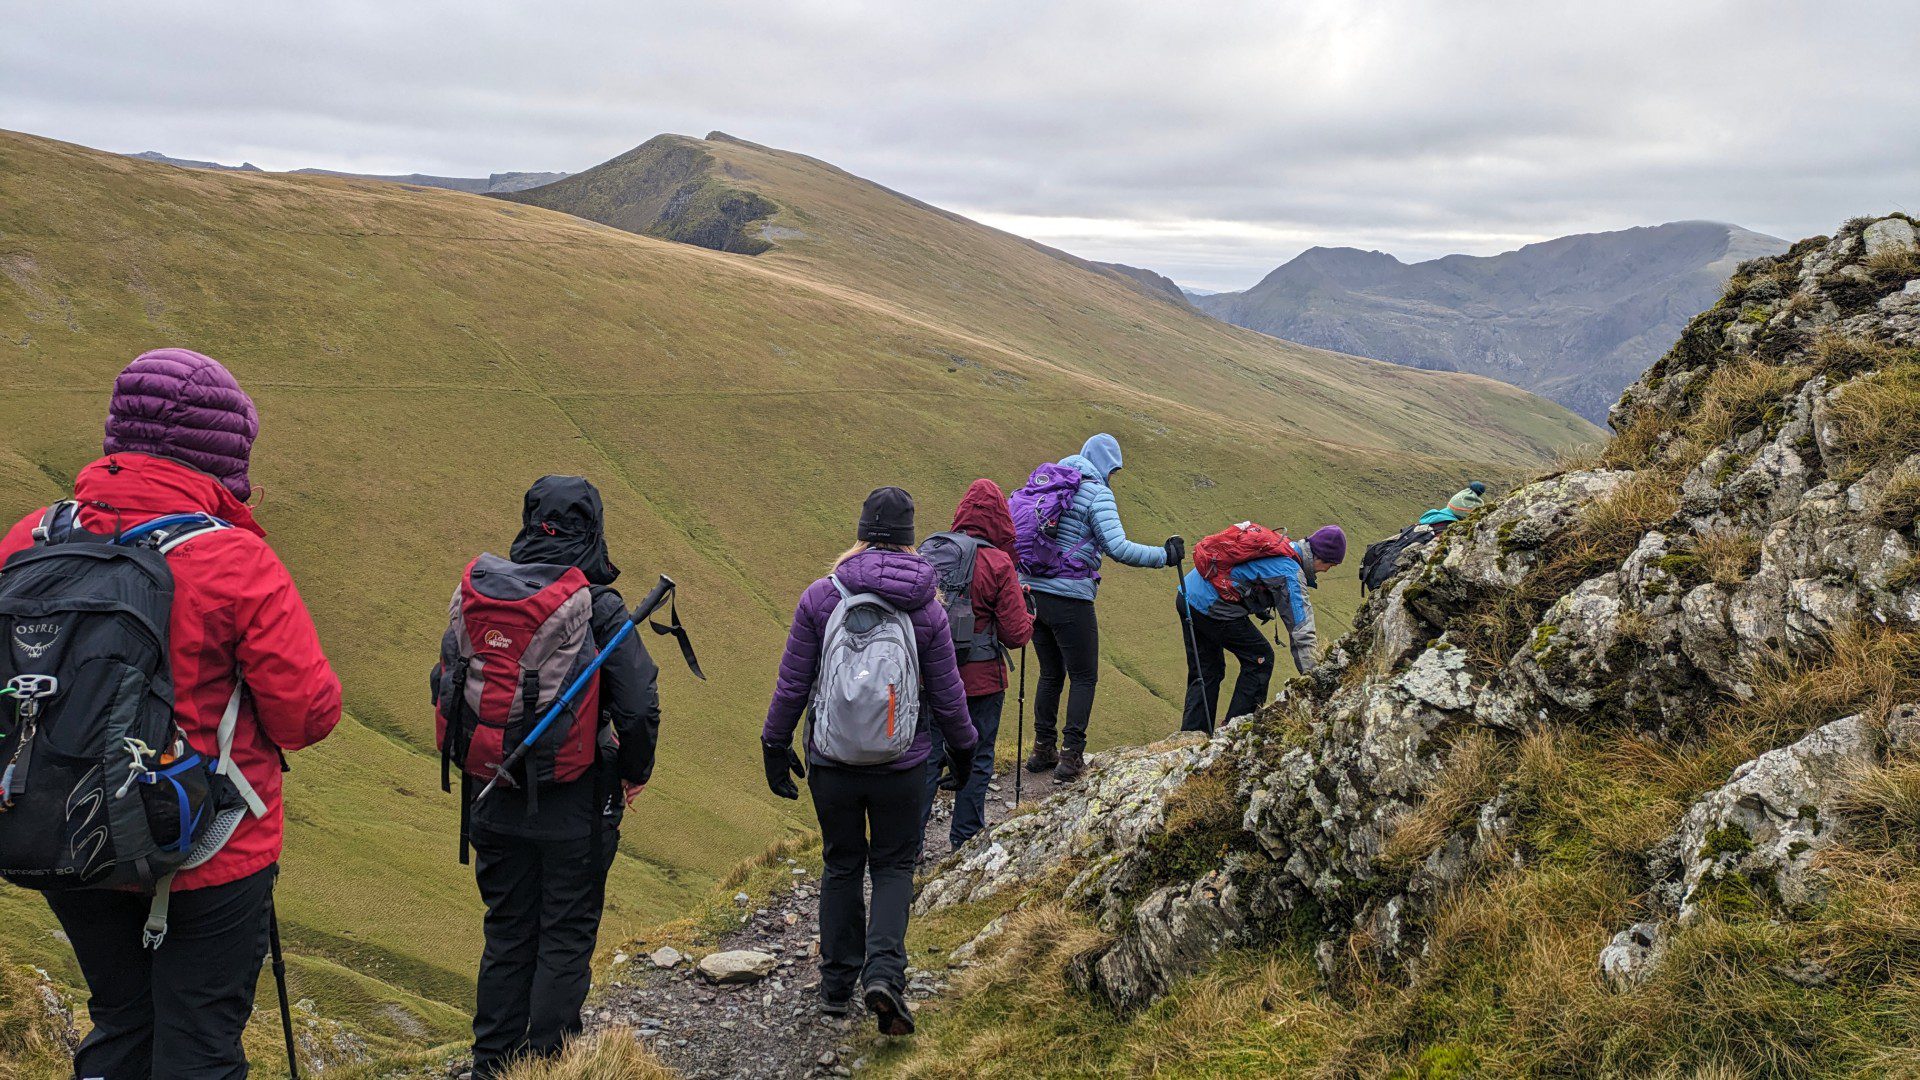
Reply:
x=34 y=639
x=497 y=640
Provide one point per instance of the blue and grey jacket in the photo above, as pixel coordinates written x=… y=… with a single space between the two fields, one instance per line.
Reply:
x=1091 y=526
x=1275 y=582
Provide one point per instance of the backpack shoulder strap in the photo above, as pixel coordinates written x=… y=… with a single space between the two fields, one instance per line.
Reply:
x=223 y=738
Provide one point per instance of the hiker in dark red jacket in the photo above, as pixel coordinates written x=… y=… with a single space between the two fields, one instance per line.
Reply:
x=542 y=869
x=1000 y=609
x=869 y=814
x=179 y=437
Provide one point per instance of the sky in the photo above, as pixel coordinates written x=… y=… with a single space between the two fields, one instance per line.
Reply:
x=1209 y=141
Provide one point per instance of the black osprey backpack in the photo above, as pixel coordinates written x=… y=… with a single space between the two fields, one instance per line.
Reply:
x=98 y=789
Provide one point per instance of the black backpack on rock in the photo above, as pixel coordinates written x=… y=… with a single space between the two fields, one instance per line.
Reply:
x=1382 y=558
x=98 y=789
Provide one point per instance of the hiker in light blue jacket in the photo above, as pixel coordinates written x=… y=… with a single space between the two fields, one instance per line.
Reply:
x=1066 y=636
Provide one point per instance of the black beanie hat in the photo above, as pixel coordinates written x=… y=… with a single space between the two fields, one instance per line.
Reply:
x=887 y=517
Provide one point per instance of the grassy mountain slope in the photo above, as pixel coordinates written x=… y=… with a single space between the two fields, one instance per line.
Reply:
x=419 y=356
x=1574 y=319
x=1008 y=293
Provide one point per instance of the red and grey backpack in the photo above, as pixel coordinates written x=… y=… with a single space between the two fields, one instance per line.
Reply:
x=522 y=633
x=1217 y=555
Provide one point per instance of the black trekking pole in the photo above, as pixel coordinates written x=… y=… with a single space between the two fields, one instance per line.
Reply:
x=280 y=980
x=1020 y=729
x=1193 y=643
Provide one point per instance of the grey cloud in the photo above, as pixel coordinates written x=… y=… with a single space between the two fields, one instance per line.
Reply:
x=1209 y=142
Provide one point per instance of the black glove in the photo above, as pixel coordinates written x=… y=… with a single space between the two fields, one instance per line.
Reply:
x=780 y=761
x=1176 y=550
x=960 y=763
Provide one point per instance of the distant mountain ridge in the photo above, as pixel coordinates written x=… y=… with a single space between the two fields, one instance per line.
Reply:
x=189 y=163
x=492 y=184
x=1574 y=319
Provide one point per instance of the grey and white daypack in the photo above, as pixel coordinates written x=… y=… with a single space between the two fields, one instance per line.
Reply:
x=866 y=697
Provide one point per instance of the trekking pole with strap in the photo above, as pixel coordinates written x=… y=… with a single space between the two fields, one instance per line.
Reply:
x=1020 y=729
x=1193 y=643
x=648 y=606
x=280 y=980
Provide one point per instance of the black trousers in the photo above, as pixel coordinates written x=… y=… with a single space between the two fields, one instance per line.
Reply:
x=544 y=899
x=1205 y=672
x=869 y=828
x=1066 y=641
x=175 y=1011
x=970 y=802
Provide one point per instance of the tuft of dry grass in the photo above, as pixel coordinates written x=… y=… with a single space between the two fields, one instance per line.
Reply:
x=1899 y=504
x=1727 y=556
x=1833 y=352
x=1736 y=396
x=613 y=1054
x=1472 y=774
x=1894 y=261
x=1876 y=417
x=1863 y=669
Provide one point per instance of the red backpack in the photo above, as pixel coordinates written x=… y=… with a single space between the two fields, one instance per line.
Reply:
x=522 y=633
x=1216 y=556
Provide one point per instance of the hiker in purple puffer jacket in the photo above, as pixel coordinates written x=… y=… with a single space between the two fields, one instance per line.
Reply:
x=869 y=814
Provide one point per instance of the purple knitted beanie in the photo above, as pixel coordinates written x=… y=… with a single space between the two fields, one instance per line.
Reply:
x=176 y=403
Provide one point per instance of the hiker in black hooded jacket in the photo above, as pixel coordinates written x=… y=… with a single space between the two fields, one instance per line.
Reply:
x=543 y=875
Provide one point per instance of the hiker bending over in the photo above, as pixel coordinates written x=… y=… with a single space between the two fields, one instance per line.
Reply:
x=180 y=434
x=1221 y=620
x=1381 y=560
x=978 y=584
x=870 y=658
x=1065 y=519
x=543 y=845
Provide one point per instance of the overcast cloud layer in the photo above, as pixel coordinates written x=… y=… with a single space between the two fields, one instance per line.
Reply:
x=1209 y=141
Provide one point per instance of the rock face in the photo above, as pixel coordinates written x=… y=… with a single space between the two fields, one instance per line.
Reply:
x=1752 y=512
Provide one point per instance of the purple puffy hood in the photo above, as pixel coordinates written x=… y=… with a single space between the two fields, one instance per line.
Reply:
x=176 y=403
x=901 y=578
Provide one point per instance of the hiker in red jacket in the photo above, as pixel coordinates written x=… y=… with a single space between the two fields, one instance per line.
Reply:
x=1002 y=621
x=179 y=437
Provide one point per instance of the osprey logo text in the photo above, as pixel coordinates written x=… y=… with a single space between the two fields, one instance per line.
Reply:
x=497 y=640
x=34 y=639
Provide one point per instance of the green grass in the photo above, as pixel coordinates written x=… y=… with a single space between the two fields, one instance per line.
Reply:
x=420 y=356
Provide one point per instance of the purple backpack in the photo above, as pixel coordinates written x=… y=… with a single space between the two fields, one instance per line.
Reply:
x=1037 y=509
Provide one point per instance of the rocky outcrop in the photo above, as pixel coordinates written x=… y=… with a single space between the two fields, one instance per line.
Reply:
x=1757 y=506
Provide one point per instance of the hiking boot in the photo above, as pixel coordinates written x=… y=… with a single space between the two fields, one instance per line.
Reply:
x=889 y=1009
x=1042 y=758
x=1072 y=764
x=835 y=1006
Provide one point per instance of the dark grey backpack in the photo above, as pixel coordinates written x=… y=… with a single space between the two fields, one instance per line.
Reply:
x=98 y=789
x=953 y=555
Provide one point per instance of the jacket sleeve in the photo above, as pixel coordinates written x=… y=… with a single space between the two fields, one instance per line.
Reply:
x=296 y=695
x=1297 y=612
x=940 y=677
x=1008 y=604
x=629 y=689
x=1104 y=521
x=793 y=686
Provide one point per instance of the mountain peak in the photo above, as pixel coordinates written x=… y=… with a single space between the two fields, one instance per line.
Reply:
x=1574 y=318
